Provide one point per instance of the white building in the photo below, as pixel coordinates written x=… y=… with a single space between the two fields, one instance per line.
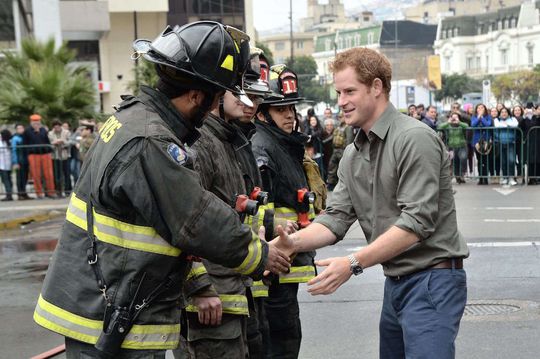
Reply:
x=489 y=44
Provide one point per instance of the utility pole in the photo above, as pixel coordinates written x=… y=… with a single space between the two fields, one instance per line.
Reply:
x=396 y=62
x=291 y=34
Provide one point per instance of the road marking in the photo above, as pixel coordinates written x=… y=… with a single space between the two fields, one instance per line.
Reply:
x=479 y=245
x=523 y=220
x=503 y=244
x=505 y=191
x=30 y=208
x=510 y=208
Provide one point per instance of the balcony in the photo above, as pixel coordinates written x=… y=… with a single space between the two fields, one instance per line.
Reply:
x=84 y=20
x=138 y=5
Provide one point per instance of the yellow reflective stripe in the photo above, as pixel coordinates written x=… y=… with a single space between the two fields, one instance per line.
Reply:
x=230 y=303
x=259 y=289
x=286 y=213
x=196 y=270
x=165 y=336
x=253 y=257
x=300 y=274
x=119 y=233
x=311 y=214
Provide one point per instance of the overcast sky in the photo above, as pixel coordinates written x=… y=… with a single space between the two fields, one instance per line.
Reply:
x=271 y=14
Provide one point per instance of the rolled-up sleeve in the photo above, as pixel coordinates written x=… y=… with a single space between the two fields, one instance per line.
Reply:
x=340 y=213
x=420 y=153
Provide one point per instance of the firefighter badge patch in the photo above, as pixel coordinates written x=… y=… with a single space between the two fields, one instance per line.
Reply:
x=177 y=154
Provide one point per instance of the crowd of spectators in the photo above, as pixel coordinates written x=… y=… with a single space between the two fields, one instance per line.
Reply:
x=328 y=137
x=48 y=159
x=495 y=144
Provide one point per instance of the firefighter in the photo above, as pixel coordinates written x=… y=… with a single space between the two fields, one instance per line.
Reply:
x=138 y=213
x=279 y=151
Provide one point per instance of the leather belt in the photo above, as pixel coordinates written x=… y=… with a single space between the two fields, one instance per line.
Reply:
x=446 y=264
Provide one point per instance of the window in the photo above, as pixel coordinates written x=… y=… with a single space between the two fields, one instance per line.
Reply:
x=280 y=46
x=505 y=24
x=300 y=44
x=504 y=57
x=366 y=18
x=327 y=45
x=490 y=27
x=478 y=62
x=447 y=64
x=499 y=25
x=469 y=63
x=370 y=38
x=479 y=29
x=356 y=39
x=487 y=62
x=513 y=22
x=530 y=55
x=340 y=43
x=456 y=31
x=348 y=41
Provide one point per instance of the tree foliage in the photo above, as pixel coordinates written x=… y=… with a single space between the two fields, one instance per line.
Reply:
x=306 y=69
x=521 y=86
x=266 y=51
x=40 y=79
x=144 y=74
x=454 y=86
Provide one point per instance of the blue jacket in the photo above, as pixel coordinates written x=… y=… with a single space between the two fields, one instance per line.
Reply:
x=484 y=121
x=18 y=155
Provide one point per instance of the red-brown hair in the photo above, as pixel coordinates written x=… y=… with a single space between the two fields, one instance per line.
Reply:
x=368 y=64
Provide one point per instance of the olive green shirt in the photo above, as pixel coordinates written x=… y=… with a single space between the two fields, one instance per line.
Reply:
x=398 y=175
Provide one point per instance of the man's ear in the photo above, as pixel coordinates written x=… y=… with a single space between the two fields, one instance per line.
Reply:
x=377 y=86
x=195 y=97
x=260 y=116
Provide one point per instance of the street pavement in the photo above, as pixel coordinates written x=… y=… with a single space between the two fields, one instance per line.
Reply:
x=501 y=225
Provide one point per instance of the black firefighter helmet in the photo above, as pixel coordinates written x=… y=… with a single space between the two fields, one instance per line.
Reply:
x=256 y=76
x=284 y=85
x=205 y=50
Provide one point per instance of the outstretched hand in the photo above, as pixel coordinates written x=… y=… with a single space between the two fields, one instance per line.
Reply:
x=278 y=262
x=338 y=271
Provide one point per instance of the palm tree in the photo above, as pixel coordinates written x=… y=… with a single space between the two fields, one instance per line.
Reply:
x=145 y=74
x=41 y=79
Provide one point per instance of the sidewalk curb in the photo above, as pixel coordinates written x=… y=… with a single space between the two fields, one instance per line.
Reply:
x=36 y=217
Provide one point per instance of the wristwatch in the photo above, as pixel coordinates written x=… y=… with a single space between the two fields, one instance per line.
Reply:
x=356 y=268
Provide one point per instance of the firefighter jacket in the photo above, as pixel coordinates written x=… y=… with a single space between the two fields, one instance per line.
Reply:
x=252 y=179
x=149 y=212
x=218 y=162
x=280 y=158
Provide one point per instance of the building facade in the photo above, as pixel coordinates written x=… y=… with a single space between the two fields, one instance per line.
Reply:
x=494 y=43
x=431 y=11
x=408 y=55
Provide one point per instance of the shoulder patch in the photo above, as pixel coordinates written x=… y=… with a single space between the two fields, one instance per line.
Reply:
x=177 y=154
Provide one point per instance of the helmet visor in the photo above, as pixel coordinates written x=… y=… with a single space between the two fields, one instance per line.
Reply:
x=170 y=46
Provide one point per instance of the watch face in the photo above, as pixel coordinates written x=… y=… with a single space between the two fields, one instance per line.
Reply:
x=357 y=270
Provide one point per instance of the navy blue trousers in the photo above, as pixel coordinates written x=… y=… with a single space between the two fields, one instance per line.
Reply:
x=421 y=314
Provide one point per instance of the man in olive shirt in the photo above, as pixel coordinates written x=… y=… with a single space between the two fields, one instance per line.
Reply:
x=395 y=180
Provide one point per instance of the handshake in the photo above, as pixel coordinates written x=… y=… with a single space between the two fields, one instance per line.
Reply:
x=280 y=249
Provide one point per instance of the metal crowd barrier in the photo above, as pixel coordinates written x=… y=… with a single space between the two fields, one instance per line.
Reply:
x=497 y=155
x=57 y=159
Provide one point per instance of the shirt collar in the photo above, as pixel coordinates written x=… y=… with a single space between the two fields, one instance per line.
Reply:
x=379 y=129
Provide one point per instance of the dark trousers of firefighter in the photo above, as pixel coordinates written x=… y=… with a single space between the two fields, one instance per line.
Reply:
x=79 y=350
x=283 y=314
x=41 y=167
x=257 y=330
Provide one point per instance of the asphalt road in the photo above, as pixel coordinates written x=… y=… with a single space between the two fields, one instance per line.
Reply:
x=502 y=227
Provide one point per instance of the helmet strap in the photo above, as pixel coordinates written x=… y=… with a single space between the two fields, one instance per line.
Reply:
x=221 y=108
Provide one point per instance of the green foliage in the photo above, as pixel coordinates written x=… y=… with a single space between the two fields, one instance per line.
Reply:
x=40 y=79
x=454 y=86
x=144 y=74
x=521 y=86
x=266 y=51
x=306 y=69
